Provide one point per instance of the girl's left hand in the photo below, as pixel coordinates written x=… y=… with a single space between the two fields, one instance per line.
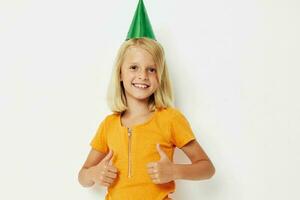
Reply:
x=163 y=170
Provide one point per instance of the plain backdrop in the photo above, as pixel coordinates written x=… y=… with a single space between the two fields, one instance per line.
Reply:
x=234 y=65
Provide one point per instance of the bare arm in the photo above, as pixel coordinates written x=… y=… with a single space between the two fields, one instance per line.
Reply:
x=201 y=167
x=164 y=170
x=94 y=158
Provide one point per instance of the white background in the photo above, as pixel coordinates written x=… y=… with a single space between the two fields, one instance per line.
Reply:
x=234 y=65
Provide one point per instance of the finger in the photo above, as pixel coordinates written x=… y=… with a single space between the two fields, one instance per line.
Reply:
x=152 y=171
x=108 y=156
x=112 y=168
x=152 y=165
x=111 y=161
x=102 y=183
x=106 y=179
x=161 y=152
x=154 y=176
x=105 y=184
x=111 y=175
x=156 y=181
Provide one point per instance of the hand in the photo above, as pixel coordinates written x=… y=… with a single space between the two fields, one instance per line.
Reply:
x=104 y=173
x=163 y=170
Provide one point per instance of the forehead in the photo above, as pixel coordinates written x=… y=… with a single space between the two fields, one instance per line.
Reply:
x=136 y=54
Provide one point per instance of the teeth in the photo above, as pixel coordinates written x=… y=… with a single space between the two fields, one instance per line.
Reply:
x=140 y=85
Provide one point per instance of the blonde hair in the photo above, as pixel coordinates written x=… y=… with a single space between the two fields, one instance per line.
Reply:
x=161 y=98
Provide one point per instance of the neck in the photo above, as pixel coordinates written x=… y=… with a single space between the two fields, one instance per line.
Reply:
x=137 y=107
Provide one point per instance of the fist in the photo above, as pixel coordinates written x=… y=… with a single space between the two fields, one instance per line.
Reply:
x=163 y=170
x=104 y=173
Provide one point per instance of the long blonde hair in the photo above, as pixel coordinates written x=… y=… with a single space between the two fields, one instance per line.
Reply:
x=161 y=98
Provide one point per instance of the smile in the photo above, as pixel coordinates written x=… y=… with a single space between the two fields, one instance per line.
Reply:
x=140 y=86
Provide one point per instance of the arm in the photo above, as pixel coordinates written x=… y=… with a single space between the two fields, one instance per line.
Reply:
x=93 y=159
x=99 y=169
x=201 y=167
x=165 y=170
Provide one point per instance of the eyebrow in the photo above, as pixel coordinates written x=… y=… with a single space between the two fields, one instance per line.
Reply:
x=153 y=65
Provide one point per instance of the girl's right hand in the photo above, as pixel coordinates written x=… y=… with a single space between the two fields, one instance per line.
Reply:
x=104 y=173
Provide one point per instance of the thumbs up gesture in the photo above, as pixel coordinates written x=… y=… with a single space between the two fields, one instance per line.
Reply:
x=104 y=173
x=163 y=170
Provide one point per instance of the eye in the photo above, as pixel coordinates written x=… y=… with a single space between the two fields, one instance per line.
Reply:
x=152 y=70
x=133 y=67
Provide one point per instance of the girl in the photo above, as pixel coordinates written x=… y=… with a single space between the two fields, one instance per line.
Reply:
x=132 y=150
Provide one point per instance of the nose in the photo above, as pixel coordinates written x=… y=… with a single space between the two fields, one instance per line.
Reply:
x=143 y=75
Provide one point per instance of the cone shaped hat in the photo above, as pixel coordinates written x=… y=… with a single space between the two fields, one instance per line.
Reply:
x=140 y=25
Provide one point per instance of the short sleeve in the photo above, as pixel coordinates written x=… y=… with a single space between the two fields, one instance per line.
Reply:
x=181 y=130
x=99 y=141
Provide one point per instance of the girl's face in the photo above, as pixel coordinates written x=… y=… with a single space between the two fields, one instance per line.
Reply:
x=139 y=73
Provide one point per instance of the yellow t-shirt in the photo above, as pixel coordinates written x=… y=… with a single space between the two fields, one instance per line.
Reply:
x=167 y=127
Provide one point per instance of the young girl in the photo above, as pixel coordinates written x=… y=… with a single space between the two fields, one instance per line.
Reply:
x=132 y=151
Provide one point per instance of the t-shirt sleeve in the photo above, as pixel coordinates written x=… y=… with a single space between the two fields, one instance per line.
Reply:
x=99 y=141
x=181 y=130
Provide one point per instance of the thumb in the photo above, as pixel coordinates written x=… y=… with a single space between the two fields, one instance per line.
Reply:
x=108 y=156
x=112 y=159
x=162 y=154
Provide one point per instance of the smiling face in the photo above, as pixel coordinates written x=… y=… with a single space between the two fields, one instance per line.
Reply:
x=139 y=74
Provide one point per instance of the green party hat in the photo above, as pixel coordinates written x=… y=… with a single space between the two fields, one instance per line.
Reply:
x=140 y=25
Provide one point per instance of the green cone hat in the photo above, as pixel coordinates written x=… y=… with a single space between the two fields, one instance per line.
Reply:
x=140 y=25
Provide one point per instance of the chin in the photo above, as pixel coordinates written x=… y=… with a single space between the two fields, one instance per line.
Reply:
x=141 y=97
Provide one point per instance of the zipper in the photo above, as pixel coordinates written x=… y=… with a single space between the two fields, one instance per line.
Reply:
x=129 y=152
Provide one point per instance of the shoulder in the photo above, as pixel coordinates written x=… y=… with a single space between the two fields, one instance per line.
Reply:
x=170 y=113
x=111 y=118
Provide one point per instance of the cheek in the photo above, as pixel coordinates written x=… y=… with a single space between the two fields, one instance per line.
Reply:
x=126 y=76
x=154 y=80
x=155 y=76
